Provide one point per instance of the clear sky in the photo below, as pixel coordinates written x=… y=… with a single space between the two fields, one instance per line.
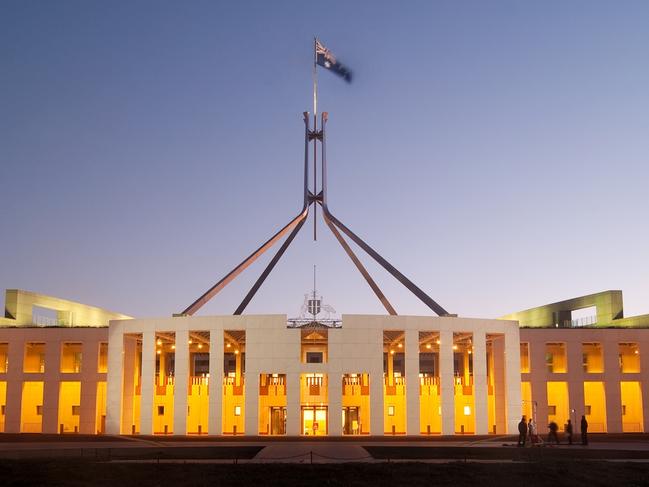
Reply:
x=495 y=152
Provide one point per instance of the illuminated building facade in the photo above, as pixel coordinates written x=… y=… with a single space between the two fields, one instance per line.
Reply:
x=62 y=370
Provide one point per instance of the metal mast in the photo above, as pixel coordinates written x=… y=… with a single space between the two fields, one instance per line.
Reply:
x=314 y=198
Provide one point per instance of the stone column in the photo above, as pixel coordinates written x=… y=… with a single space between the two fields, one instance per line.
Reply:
x=412 y=382
x=575 y=376
x=538 y=377
x=377 y=410
x=215 y=401
x=13 y=412
x=181 y=382
x=293 y=412
x=612 y=376
x=513 y=378
x=251 y=398
x=51 y=386
x=129 y=357
x=480 y=395
x=500 y=409
x=148 y=378
x=644 y=382
x=447 y=383
x=335 y=399
x=88 y=405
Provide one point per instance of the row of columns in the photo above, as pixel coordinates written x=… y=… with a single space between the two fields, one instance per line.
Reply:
x=612 y=376
x=506 y=369
x=52 y=378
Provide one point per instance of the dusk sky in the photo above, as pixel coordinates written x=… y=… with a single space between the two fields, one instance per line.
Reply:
x=495 y=152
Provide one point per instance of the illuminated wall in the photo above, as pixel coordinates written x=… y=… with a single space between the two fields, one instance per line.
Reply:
x=356 y=404
x=632 y=412
x=394 y=383
x=3 y=403
x=32 y=407
x=558 y=403
x=272 y=404
x=595 y=406
x=100 y=417
x=69 y=406
x=314 y=393
x=526 y=395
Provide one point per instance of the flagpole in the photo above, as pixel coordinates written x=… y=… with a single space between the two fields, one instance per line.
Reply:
x=315 y=129
x=315 y=78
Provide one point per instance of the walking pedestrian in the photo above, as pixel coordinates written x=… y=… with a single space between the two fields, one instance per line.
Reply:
x=522 y=432
x=553 y=432
x=569 y=432
x=584 y=431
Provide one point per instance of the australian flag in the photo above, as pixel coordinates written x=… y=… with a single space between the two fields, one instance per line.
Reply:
x=326 y=59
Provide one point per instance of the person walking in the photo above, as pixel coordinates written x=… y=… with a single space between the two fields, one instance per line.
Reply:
x=553 y=432
x=522 y=432
x=584 y=431
x=569 y=432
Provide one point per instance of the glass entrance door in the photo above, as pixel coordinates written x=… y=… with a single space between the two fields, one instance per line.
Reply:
x=351 y=424
x=314 y=420
x=277 y=421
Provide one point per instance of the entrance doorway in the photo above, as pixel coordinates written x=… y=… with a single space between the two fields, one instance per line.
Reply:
x=314 y=420
x=351 y=420
x=277 y=421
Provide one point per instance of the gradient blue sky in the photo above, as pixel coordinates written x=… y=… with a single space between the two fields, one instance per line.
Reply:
x=495 y=152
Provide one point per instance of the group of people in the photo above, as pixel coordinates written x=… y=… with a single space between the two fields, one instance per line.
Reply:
x=527 y=432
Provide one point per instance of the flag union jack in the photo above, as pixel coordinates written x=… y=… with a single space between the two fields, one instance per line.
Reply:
x=326 y=59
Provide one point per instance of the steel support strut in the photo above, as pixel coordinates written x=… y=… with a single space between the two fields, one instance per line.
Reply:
x=333 y=221
x=295 y=224
x=294 y=227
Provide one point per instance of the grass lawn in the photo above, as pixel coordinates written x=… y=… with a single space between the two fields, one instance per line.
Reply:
x=555 y=473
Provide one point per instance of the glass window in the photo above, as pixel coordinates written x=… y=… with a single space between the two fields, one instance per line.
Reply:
x=34 y=360
x=592 y=358
x=555 y=358
x=629 y=356
x=4 y=358
x=314 y=357
x=525 y=358
x=71 y=354
x=102 y=367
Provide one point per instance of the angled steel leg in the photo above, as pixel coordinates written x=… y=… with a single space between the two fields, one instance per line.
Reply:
x=427 y=300
x=298 y=220
x=360 y=267
x=214 y=290
x=269 y=268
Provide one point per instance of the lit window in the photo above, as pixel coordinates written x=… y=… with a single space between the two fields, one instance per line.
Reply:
x=467 y=410
x=237 y=410
x=390 y=410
